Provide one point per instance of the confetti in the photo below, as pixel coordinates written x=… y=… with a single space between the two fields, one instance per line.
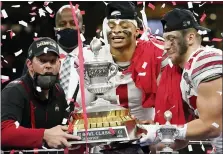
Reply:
x=174 y=3
x=170 y=63
x=68 y=108
x=33 y=8
x=151 y=6
x=30 y=2
x=38 y=89
x=142 y=74
x=18 y=52
x=4 y=14
x=216 y=40
x=202 y=147
x=3 y=37
x=190 y=148
x=195 y=14
x=220 y=92
x=35 y=38
x=64 y=121
x=201 y=4
x=112 y=131
x=163 y=6
x=5 y=61
x=206 y=39
x=139 y=3
x=15 y=6
x=16 y=124
x=12 y=34
x=51 y=15
x=203 y=17
x=32 y=19
x=62 y=56
x=144 y=65
x=14 y=70
x=4 y=78
x=45 y=50
x=33 y=13
x=157 y=31
x=215 y=125
x=202 y=32
x=70 y=99
x=82 y=12
x=44 y=147
x=49 y=9
x=35 y=34
x=23 y=23
x=159 y=57
x=190 y=5
x=82 y=37
x=41 y=12
x=46 y=3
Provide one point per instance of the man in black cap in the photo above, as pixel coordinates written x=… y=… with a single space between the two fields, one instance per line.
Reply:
x=34 y=106
x=203 y=66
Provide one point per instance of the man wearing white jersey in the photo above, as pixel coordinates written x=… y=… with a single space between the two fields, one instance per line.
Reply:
x=201 y=83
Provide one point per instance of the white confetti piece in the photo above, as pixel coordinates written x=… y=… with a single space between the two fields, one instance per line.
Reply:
x=48 y=9
x=45 y=50
x=170 y=63
x=18 y=52
x=117 y=99
x=202 y=147
x=201 y=4
x=15 y=6
x=44 y=147
x=82 y=37
x=32 y=19
x=190 y=5
x=159 y=57
x=206 y=39
x=195 y=14
x=16 y=124
x=67 y=108
x=38 y=89
x=4 y=77
x=20 y=152
x=142 y=74
x=163 y=6
x=144 y=65
x=23 y=23
x=4 y=14
x=202 y=32
x=157 y=31
x=64 y=121
x=35 y=34
x=30 y=2
x=5 y=61
x=3 y=37
x=14 y=70
x=190 y=148
x=41 y=12
x=215 y=125
x=220 y=92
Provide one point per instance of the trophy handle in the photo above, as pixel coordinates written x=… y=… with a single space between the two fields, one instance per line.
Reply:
x=113 y=70
x=159 y=134
x=86 y=78
x=177 y=132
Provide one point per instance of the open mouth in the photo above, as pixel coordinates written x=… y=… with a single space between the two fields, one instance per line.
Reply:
x=117 y=38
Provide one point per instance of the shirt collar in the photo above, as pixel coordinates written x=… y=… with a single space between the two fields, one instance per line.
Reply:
x=73 y=53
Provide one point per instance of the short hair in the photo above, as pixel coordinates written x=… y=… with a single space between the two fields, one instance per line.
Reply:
x=78 y=13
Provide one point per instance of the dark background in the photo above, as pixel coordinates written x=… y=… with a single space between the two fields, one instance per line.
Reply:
x=93 y=18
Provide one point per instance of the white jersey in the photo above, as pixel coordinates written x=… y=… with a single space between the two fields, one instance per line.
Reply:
x=124 y=91
x=203 y=65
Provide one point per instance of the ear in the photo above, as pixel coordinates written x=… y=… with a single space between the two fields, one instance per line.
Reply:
x=137 y=32
x=29 y=65
x=83 y=29
x=191 y=38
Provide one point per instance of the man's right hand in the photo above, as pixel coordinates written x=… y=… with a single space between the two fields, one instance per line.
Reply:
x=57 y=137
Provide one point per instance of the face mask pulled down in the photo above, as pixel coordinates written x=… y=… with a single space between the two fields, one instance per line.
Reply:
x=45 y=81
x=67 y=38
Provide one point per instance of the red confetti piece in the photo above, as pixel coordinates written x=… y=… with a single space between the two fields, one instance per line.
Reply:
x=35 y=38
x=66 y=151
x=33 y=14
x=112 y=131
x=62 y=56
x=82 y=12
x=12 y=151
x=52 y=15
x=76 y=104
x=203 y=17
x=98 y=30
x=11 y=34
x=35 y=150
x=138 y=3
x=33 y=8
x=174 y=3
x=46 y=3
x=216 y=40
x=151 y=6
x=4 y=80
x=70 y=99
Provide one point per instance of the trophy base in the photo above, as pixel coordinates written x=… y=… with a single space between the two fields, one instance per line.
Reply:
x=103 y=135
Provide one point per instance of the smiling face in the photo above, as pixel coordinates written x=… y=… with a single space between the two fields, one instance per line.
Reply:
x=176 y=46
x=122 y=34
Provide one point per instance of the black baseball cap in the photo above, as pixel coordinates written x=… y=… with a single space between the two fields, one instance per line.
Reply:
x=179 y=19
x=127 y=10
x=41 y=46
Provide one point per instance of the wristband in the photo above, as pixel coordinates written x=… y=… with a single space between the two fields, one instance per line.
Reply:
x=182 y=132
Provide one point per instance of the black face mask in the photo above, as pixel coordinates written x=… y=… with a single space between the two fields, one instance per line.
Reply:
x=45 y=81
x=67 y=38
